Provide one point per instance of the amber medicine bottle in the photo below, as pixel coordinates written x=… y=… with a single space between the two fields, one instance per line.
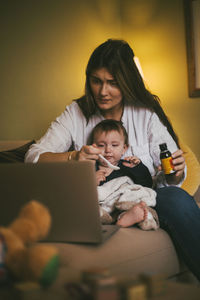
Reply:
x=166 y=159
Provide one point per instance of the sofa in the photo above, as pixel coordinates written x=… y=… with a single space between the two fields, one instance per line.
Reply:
x=130 y=251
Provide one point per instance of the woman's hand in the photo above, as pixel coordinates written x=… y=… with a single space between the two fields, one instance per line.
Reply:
x=88 y=152
x=132 y=161
x=178 y=162
x=100 y=176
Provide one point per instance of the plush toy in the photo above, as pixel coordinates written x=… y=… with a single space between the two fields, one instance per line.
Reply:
x=25 y=259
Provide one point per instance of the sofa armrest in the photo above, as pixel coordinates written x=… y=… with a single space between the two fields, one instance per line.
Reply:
x=192 y=182
x=12 y=144
x=197 y=195
x=15 y=154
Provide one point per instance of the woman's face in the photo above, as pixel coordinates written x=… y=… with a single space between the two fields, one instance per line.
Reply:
x=105 y=90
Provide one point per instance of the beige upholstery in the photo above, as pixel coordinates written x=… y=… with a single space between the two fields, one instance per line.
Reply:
x=130 y=250
x=9 y=145
x=192 y=181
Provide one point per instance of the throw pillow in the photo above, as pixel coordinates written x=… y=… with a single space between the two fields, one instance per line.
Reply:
x=15 y=155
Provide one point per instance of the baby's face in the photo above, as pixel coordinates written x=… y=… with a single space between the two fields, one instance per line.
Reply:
x=112 y=145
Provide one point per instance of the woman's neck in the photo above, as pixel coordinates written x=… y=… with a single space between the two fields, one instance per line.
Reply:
x=115 y=114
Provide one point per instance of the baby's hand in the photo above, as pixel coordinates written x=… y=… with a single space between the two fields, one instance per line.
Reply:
x=100 y=176
x=132 y=161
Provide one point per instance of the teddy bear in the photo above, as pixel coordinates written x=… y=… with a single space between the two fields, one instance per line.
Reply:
x=25 y=259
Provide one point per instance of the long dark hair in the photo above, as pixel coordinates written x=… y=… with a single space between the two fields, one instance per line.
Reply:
x=117 y=57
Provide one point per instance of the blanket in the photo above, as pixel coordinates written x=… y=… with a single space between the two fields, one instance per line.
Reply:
x=122 y=193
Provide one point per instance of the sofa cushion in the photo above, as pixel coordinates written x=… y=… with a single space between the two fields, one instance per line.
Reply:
x=192 y=182
x=128 y=252
x=15 y=155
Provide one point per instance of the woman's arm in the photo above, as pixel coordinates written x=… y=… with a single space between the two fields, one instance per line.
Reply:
x=60 y=136
x=87 y=152
x=159 y=134
x=57 y=157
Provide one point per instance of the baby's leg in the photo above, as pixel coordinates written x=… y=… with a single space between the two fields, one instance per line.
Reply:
x=134 y=215
x=105 y=217
x=151 y=222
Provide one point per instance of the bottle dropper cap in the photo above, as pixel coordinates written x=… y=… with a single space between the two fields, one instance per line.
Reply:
x=163 y=147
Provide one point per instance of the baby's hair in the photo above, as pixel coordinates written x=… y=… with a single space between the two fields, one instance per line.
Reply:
x=107 y=126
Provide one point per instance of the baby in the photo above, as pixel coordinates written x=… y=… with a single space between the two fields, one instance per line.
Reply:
x=111 y=137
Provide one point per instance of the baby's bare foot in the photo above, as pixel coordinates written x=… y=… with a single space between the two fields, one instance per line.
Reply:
x=144 y=206
x=134 y=215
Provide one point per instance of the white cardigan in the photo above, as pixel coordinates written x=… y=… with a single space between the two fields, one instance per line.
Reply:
x=145 y=132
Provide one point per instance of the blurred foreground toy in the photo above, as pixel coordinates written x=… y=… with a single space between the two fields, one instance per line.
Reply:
x=25 y=259
x=3 y=273
x=100 y=284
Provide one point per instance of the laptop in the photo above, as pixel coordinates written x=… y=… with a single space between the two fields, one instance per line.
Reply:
x=67 y=189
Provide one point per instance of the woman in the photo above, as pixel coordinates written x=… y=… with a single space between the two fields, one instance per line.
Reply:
x=115 y=90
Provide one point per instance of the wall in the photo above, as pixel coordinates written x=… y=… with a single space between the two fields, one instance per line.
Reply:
x=157 y=35
x=44 y=48
x=45 y=45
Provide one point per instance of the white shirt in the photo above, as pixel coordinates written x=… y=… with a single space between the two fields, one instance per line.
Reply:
x=145 y=133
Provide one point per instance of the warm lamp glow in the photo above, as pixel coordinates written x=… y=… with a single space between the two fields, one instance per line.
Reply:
x=137 y=62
